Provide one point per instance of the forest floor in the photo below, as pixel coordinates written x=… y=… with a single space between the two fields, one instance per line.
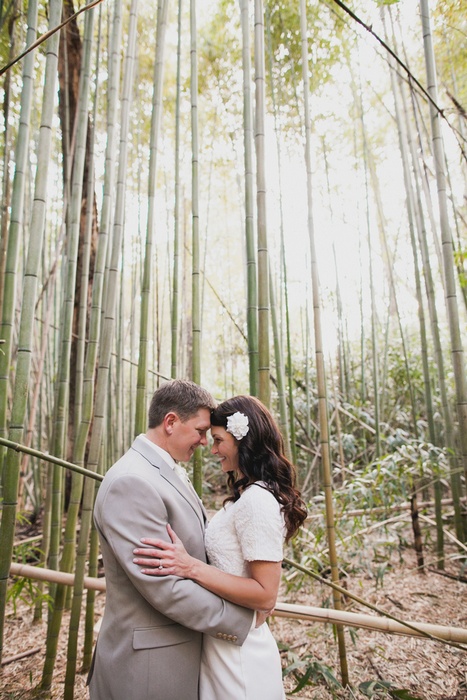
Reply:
x=415 y=668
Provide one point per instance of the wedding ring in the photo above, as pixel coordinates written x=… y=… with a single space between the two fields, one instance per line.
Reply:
x=160 y=564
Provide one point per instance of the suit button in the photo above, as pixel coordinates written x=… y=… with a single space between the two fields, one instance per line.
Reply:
x=219 y=635
x=234 y=638
x=225 y=636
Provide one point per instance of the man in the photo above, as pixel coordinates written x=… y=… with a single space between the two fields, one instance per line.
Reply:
x=149 y=644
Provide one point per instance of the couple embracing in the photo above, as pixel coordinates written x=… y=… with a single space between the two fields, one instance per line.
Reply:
x=176 y=627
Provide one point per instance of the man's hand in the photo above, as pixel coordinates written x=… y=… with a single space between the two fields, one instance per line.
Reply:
x=262 y=616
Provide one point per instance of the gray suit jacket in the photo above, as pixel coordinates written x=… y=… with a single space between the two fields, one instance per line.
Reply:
x=149 y=644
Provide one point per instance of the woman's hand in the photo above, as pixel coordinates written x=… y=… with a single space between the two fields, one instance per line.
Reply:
x=161 y=558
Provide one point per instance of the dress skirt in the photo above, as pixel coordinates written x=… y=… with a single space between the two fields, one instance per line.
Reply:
x=250 y=672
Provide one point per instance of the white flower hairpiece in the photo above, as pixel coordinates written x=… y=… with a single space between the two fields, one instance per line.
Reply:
x=237 y=425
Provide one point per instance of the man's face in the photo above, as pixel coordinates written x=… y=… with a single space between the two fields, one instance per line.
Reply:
x=187 y=436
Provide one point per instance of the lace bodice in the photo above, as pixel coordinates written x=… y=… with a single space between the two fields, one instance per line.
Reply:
x=251 y=529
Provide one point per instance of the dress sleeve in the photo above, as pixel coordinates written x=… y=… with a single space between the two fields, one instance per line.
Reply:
x=259 y=525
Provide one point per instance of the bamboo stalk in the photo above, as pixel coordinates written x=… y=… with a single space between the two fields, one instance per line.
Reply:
x=370 y=622
x=156 y=116
x=264 y=389
x=195 y=241
x=383 y=509
x=175 y=305
x=11 y=465
x=252 y=289
x=23 y=655
x=287 y=610
x=457 y=351
x=49 y=458
x=320 y=369
x=52 y=576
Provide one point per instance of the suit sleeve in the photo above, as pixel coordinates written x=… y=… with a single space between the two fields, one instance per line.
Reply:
x=130 y=508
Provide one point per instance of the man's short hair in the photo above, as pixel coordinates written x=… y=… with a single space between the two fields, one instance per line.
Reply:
x=182 y=396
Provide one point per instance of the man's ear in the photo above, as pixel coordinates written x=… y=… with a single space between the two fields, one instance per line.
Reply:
x=168 y=422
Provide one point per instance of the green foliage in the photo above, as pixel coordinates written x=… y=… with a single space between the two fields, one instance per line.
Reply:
x=450 y=32
x=22 y=589
x=384 y=689
x=220 y=57
x=460 y=257
x=26 y=591
x=389 y=479
x=307 y=671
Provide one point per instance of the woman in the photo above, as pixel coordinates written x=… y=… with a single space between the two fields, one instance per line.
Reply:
x=244 y=546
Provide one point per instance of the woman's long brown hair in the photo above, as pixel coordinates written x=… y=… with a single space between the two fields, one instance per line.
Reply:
x=261 y=457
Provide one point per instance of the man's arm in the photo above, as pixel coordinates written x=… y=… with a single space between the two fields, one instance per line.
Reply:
x=257 y=591
x=132 y=504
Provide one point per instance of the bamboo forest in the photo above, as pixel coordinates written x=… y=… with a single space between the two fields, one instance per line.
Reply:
x=270 y=199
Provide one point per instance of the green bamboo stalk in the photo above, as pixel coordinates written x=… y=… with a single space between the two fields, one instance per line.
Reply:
x=447 y=246
x=280 y=374
x=8 y=308
x=195 y=246
x=176 y=248
x=196 y=320
x=156 y=115
x=341 y=354
x=62 y=395
x=88 y=644
x=415 y=212
x=6 y=188
x=264 y=388
x=252 y=289
x=82 y=429
x=374 y=339
x=107 y=328
x=461 y=127
x=307 y=334
x=114 y=250
x=21 y=389
x=320 y=372
x=290 y=428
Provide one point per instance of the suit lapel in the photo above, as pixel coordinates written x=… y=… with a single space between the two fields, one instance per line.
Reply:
x=167 y=473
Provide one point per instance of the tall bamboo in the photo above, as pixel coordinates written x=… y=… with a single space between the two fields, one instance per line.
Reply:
x=264 y=389
x=289 y=427
x=447 y=244
x=176 y=248
x=195 y=290
x=7 y=131
x=341 y=354
x=320 y=372
x=416 y=221
x=62 y=392
x=280 y=374
x=374 y=337
x=156 y=115
x=195 y=247
x=21 y=389
x=85 y=413
x=252 y=289
x=8 y=308
x=114 y=195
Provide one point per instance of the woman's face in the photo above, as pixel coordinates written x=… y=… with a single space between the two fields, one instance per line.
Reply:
x=226 y=448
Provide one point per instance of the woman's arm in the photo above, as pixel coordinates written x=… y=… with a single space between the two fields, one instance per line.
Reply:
x=258 y=592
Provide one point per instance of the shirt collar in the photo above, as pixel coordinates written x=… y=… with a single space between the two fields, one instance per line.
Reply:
x=163 y=453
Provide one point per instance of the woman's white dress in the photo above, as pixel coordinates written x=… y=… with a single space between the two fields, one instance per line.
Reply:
x=251 y=529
